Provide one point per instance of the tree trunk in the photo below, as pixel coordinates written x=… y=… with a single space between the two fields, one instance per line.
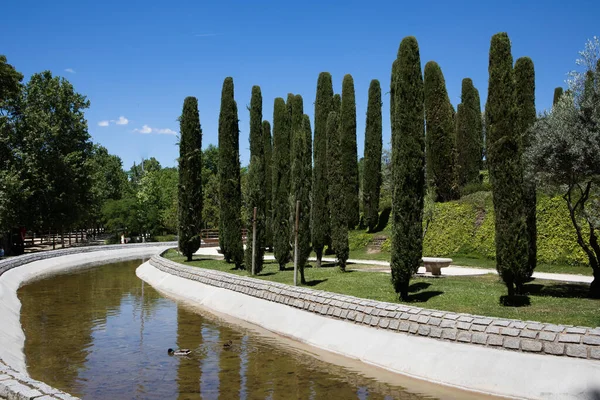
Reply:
x=342 y=265
x=302 y=280
x=319 y=257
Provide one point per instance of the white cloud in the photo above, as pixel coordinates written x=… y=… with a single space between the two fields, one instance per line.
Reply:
x=103 y=123
x=166 y=131
x=121 y=121
x=70 y=70
x=146 y=129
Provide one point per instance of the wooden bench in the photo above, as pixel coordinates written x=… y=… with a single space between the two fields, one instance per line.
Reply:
x=435 y=265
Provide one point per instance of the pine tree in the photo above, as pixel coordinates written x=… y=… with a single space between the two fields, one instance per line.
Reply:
x=339 y=224
x=266 y=127
x=372 y=160
x=504 y=163
x=190 y=179
x=230 y=193
x=281 y=183
x=557 y=93
x=256 y=184
x=440 y=137
x=320 y=208
x=408 y=165
x=301 y=188
x=349 y=151
x=469 y=135
x=526 y=117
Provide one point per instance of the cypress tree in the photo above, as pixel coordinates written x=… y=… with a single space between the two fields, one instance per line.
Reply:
x=469 y=134
x=557 y=93
x=408 y=165
x=281 y=183
x=349 y=151
x=526 y=117
x=301 y=187
x=504 y=163
x=440 y=137
x=230 y=193
x=190 y=179
x=256 y=183
x=320 y=208
x=266 y=127
x=339 y=223
x=337 y=103
x=372 y=161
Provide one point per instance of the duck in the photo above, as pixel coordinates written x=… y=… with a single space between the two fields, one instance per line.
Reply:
x=179 y=352
x=227 y=344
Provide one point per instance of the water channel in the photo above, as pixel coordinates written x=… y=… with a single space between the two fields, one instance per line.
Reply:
x=101 y=333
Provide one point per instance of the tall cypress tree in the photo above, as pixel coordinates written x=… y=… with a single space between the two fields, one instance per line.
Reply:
x=230 y=193
x=349 y=151
x=469 y=134
x=504 y=163
x=266 y=127
x=301 y=188
x=337 y=103
x=440 y=137
x=281 y=183
x=372 y=161
x=320 y=208
x=526 y=116
x=190 y=179
x=256 y=183
x=339 y=223
x=408 y=165
x=557 y=93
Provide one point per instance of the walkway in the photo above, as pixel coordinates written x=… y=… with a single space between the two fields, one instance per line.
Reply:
x=453 y=270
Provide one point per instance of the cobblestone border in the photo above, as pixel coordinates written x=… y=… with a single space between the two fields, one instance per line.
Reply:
x=499 y=333
x=16 y=385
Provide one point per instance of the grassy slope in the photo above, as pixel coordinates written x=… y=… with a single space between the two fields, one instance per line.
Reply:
x=551 y=302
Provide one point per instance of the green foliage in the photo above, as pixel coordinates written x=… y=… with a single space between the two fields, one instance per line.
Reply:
x=301 y=189
x=337 y=102
x=210 y=187
x=256 y=184
x=230 y=224
x=505 y=166
x=339 y=223
x=440 y=137
x=281 y=182
x=268 y=149
x=349 y=152
x=371 y=176
x=190 y=179
x=558 y=92
x=469 y=136
x=408 y=159
x=526 y=116
x=320 y=205
x=358 y=239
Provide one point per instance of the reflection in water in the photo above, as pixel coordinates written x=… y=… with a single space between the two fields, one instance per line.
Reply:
x=102 y=333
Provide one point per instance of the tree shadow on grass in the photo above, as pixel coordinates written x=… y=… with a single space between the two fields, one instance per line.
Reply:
x=518 y=300
x=559 y=289
x=415 y=287
x=267 y=274
x=315 y=282
x=423 y=297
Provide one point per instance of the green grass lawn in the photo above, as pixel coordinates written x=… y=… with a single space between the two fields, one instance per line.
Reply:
x=552 y=302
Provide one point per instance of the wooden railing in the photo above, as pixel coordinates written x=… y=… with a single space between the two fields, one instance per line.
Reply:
x=210 y=237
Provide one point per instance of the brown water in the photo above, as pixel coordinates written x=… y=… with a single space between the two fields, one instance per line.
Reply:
x=102 y=333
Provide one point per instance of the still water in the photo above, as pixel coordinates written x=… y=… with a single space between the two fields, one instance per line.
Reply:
x=101 y=333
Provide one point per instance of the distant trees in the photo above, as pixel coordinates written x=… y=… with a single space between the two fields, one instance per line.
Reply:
x=440 y=138
x=320 y=229
x=372 y=157
x=469 y=135
x=281 y=182
x=408 y=159
x=339 y=222
x=256 y=184
x=526 y=116
x=349 y=152
x=190 y=179
x=506 y=168
x=230 y=224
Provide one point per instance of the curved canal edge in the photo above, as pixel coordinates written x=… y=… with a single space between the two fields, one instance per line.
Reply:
x=301 y=314
x=16 y=272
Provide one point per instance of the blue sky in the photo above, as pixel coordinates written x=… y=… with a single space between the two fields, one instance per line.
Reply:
x=139 y=60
